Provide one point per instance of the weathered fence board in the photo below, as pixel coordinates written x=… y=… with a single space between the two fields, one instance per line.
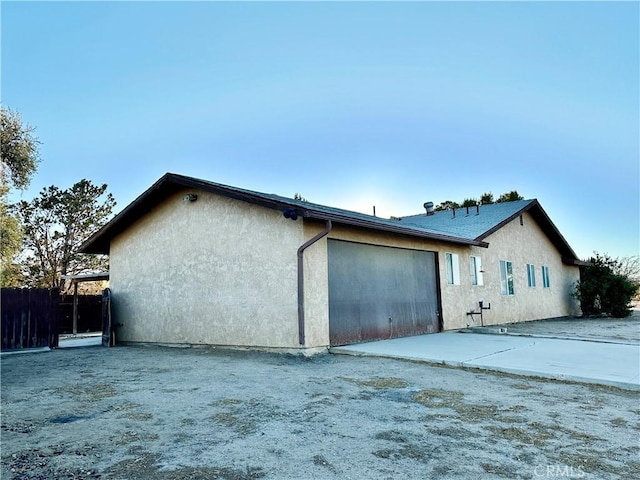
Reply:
x=29 y=318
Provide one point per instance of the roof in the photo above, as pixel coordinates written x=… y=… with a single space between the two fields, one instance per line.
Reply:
x=87 y=277
x=434 y=227
x=479 y=222
x=471 y=222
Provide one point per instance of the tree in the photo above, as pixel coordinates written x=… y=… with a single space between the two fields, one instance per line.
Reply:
x=603 y=291
x=486 y=199
x=10 y=245
x=19 y=149
x=628 y=267
x=446 y=205
x=55 y=224
x=18 y=162
x=299 y=197
x=512 y=196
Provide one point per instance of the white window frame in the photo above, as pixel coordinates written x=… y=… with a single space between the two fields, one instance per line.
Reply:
x=506 y=278
x=475 y=270
x=546 y=283
x=452 y=262
x=531 y=275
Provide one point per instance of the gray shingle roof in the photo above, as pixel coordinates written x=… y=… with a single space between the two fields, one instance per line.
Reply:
x=472 y=222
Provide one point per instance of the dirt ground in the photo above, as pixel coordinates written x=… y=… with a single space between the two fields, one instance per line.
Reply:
x=200 y=413
x=619 y=330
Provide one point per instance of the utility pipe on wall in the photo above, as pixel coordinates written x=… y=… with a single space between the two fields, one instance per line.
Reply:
x=303 y=247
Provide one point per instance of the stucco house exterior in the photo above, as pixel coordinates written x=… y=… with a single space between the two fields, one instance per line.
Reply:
x=196 y=262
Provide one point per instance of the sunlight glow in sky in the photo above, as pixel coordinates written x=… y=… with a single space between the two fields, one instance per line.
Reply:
x=351 y=104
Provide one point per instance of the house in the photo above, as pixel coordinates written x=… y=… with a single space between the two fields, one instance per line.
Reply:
x=197 y=262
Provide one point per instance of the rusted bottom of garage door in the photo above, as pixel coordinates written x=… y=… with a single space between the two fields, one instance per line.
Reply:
x=380 y=292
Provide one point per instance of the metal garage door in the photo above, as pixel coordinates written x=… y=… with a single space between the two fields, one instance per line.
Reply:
x=380 y=292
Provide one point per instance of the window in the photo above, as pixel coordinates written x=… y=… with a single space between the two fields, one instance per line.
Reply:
x=506 y=277
x=475 y=270
x=545 y=277
x=453 y=268
x=531 y=275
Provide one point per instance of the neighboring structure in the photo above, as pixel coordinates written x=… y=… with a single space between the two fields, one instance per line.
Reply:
x=196 y=262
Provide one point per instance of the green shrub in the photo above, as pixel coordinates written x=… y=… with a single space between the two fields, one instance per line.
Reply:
x=603 y=291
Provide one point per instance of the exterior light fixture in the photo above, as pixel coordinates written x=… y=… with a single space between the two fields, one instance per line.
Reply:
x=190 y=197
x=290 y=213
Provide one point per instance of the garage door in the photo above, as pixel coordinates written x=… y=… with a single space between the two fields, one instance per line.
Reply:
x=380 y=292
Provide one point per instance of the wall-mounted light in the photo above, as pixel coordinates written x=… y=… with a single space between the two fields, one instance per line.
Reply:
x=290 y=213
x=190 y=197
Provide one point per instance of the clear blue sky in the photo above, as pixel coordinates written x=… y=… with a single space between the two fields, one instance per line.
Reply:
x=350 y=104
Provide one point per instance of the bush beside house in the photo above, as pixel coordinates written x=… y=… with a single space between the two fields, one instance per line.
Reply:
x=603 y=290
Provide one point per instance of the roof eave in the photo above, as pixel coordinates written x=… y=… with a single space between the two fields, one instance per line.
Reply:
x=371 y=225
x=99 y=242
x=569 y=257
x=498 y=226
x=575 y=262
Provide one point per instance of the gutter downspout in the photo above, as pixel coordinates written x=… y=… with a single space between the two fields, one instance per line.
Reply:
x=301 y=250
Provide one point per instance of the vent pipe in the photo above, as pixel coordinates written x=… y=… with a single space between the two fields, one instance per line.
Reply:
x=428 y=206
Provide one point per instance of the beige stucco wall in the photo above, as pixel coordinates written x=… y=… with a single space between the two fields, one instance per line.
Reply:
x=521 y=245
x=215 y=271
x=316 y=288
x=224 y=272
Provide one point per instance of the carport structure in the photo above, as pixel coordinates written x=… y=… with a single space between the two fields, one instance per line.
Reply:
x=82 y=278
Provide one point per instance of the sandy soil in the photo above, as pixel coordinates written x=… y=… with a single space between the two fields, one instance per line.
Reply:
x=201 y=413
x=620 y=330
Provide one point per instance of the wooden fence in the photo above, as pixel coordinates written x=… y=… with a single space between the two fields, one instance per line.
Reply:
x=29 y=317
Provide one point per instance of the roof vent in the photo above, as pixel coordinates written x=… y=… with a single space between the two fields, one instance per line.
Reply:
x=428 y=206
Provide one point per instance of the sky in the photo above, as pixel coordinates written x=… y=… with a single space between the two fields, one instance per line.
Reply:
x=350 y=104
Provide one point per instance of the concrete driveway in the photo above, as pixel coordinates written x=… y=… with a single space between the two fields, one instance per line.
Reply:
x=600 y=351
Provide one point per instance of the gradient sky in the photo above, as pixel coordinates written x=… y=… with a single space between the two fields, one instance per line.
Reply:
x=350 y=104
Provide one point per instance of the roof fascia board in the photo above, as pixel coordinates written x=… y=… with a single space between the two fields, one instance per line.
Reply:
x=547 y=226
x=97 y=244
x=577 y=263
x=88 y=243
x=497 y=227
x=163 y=183
x=235 y=193
x=559 y=237
x=392 y=229
x=87 y=277
x=257 y=199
